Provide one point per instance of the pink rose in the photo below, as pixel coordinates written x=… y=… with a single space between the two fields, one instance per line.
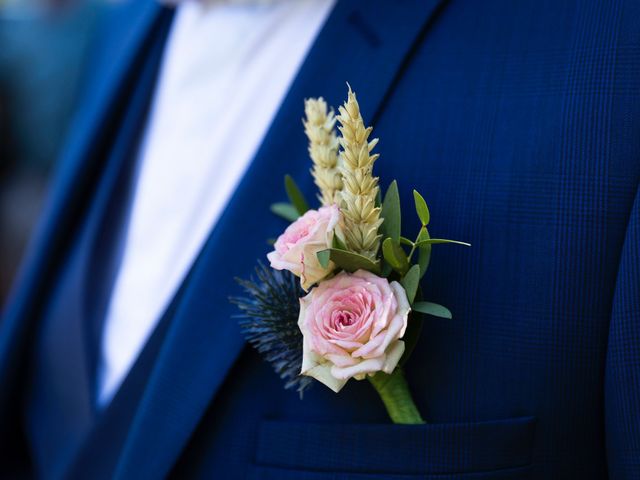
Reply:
x=352 y=325
x=296 y=249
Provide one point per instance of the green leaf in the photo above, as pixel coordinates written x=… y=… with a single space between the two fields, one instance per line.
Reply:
x=395 y=256
x=323 y=258
x=386 y=270
x=348 y=261
x=337 y=243
x=295 y=195
x=391 y=213
x=389 y=254
x=286 y=211
x=411 y=336
x=424 y=252
x=406 y=241
x=432 y=309
x=433 y=241
x=424 y=258
x=421 y=208
x=410 y=282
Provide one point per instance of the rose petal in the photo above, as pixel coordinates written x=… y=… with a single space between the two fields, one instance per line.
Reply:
x=323 y=373
x=296 y=249
x=371 y=365
x=394 y=354
x=352 y=325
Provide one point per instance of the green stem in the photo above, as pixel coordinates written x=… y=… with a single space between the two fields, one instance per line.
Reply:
x=394 y=392
x=415 y=244
x=413 y=250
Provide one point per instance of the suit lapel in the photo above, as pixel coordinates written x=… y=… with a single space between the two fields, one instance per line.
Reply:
x=364 y=43
x=79 y=168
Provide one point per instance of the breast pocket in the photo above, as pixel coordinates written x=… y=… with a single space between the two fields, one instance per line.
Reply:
x=482 y=450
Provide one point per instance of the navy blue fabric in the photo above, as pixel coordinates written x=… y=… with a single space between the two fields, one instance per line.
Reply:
x=520 y=124
x=112 y=424
x=622 y=374
x=61 y=398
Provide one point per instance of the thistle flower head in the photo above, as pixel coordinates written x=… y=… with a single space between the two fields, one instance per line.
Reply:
x=269 y=322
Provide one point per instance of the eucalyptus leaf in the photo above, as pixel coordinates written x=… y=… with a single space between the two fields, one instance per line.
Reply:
x=401 y=254
x=432 y=309
x=423 y=235
x=406 y=241
x=424 y=252
x=378 y=202
x=421 y=208
x=348 y=261
x=411 y=336
x=389 y=254
x=337 y=243
x=295 y=195
x=391 y=213
x=324 y=257
x=386 y=270
x=434 y=241
x=395 y=255
x=286 y=211
x=424 y=258
x=410 y=282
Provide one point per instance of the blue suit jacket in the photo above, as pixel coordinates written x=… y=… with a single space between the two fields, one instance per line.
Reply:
x=520 y=122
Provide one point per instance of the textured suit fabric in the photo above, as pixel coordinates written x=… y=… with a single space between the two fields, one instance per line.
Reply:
x=520 y=124
x=63 y=375
x=622 y=375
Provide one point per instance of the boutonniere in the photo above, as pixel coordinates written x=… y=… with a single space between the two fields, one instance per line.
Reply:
x=341 y=299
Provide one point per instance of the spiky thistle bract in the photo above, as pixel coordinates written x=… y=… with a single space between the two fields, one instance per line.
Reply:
x=269 y=321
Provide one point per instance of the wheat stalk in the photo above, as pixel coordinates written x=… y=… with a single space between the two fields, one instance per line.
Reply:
x=360 y=187
x=323 y=148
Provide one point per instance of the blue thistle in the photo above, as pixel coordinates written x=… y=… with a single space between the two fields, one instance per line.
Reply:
x=269 y=321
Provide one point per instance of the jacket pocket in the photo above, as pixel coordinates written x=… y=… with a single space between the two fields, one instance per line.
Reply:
x=498 y=449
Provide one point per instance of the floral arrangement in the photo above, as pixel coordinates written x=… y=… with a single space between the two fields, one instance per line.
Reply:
x=341 y=299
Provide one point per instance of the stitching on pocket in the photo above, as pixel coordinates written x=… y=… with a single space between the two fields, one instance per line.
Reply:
x=429 y=449
x=517 y=469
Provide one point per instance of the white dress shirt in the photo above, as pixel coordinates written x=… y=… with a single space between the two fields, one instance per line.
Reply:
x=226 y=70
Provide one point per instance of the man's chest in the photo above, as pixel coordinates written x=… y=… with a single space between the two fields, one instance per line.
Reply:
x=225 y=72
